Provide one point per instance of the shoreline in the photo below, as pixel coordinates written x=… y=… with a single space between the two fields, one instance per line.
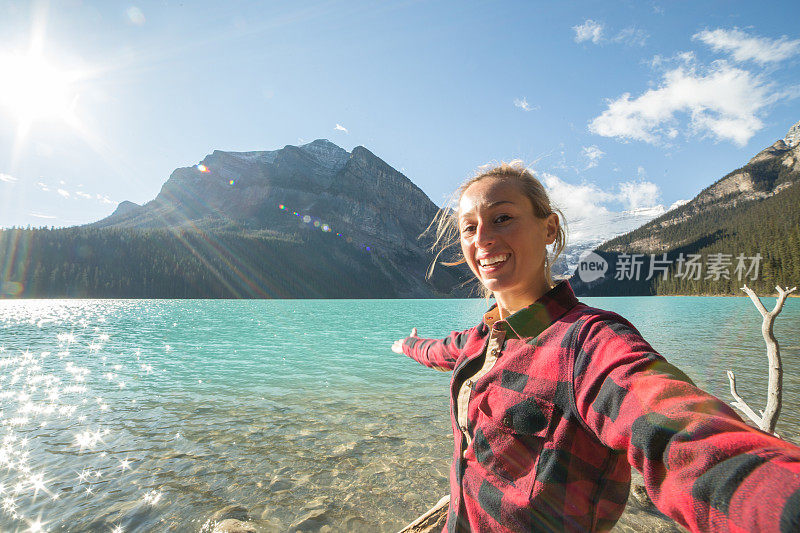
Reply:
x=22 y=299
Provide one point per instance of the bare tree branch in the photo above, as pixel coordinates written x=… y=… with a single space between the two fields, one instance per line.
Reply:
x=740 y=403
x=756 y=300
x=769 y=416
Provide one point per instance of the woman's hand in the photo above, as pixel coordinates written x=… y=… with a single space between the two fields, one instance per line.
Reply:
x=397 y=347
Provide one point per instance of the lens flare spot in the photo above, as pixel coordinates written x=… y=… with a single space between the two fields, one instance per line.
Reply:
x=281 y=207
x=202 y=168
x=306 y=219
x=231 y=182
x=316 y=223
x=10 y=288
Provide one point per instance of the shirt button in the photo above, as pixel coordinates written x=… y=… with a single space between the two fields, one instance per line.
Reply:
x=494 y=351
x=468 y=383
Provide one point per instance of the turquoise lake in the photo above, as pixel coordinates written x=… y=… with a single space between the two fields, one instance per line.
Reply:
x=152 y=415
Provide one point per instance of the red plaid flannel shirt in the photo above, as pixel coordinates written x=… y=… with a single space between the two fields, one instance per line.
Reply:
x=575 y=399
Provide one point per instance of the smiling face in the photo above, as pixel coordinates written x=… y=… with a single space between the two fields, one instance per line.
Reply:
x=503 y=241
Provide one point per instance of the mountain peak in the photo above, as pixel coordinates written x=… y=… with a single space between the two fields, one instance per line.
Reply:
x=320 y=142
x=792 y=138
x=327 y=153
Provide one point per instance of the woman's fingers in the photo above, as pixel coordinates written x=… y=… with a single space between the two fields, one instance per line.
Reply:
x=397 y=346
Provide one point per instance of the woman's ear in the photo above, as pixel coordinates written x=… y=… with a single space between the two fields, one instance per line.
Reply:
x=551 y=228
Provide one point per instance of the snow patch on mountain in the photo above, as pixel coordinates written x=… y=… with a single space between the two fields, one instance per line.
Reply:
x=327 y=154
x=256 y=157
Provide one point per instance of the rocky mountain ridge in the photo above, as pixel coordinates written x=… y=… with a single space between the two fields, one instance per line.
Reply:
x=355 y=197
x=743 y=228
x=769 y=172
x=356 y=194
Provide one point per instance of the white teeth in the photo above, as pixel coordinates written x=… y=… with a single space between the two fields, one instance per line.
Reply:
x=492 y=260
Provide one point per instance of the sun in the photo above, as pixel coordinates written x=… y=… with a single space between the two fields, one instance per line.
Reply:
x=34 y=89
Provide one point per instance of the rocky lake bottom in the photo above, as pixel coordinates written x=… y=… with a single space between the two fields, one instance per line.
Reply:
x=142 y=415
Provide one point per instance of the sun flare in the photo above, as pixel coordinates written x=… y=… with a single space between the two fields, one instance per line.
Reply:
x=34 y=89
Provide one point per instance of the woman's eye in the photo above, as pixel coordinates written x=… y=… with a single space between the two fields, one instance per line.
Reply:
x=469 y=228
x=502 y=218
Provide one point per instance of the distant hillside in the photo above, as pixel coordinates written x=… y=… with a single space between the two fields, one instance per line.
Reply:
x=311 y=221
x=750 y=217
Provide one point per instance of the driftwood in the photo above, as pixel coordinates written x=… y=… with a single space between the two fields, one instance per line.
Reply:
x=769 y=416
x=432 y=521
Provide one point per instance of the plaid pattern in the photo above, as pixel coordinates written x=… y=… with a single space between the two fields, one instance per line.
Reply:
x=575 y=399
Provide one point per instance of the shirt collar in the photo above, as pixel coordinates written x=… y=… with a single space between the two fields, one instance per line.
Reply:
x=537 y=317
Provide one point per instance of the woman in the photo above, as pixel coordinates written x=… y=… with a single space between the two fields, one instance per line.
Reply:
x=553 y=401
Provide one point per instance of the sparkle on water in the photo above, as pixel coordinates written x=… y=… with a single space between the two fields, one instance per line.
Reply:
x=114 y=416
x=153 y=415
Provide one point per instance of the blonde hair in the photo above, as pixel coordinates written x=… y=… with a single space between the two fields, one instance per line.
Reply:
x=445 y=223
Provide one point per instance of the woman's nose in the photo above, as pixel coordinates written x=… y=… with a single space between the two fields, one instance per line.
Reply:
x=484 y=235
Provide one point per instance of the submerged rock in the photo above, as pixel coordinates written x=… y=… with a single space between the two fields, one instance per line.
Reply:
x=236 y=512
x=232 y=519
x=313 y=520
x=231 y=525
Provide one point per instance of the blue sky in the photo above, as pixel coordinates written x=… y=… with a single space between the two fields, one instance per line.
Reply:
x=619 y=106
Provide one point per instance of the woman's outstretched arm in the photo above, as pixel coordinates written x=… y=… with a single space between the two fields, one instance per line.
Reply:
x=702 y=465
x=440 y=354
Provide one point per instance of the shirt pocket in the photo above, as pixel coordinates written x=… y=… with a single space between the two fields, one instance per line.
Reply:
x=510 y=431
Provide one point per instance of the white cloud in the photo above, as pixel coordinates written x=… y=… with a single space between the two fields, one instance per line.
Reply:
x=639 y=195
x=594 y=214
x=745 y=47
x=7 y=178
x=339 y=127
x=593 y=155
x=524 y=105
x=588 y=31
x=724 y=102
x=39 y=215
x=103 y=199
x=581 y=205
x=632 y=36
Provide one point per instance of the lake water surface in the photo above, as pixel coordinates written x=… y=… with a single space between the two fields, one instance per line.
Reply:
x=143 y=415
